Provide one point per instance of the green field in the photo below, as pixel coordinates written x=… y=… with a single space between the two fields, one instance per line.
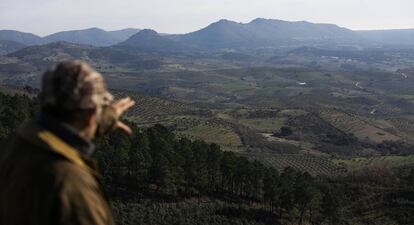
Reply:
x=379 y=161
x=264 y=124
x=209 y=131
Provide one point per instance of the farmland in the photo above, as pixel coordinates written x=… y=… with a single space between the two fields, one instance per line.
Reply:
x=357 y=164
x=316 y=166
x=295 y=103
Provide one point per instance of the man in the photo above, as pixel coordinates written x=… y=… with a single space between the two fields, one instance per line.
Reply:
x=46 y=174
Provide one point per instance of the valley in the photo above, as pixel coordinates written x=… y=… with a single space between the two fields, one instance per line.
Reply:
x=313 y=99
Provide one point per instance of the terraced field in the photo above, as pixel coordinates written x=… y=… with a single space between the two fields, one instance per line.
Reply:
x=363 y=130
x=209 y=131
x=150 y=109
x=378 y=161
x=316 y=166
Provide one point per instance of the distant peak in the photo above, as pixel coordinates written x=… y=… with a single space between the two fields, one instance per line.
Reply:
x=263 y=20
x=94 y=28
x=89 y=29
x=224 y=21
x=258 y=20
x=148 y=32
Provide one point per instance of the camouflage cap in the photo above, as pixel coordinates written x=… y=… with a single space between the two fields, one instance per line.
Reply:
x=74 y=85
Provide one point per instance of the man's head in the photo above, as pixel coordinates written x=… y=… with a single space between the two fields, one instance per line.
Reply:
x=74 y=93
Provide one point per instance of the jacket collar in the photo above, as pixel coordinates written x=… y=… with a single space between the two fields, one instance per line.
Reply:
x=47 y=140
x=66 y=133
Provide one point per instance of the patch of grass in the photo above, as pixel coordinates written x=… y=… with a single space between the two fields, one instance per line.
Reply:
x=264 y=124
x=383 y=161
x=214 y=134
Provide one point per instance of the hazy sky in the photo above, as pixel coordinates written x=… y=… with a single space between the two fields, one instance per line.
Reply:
x=43 y=17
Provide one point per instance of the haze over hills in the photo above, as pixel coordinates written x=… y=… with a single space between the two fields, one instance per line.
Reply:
x=259 y=33
x=391 y=37
x=269 y=33
x=92 y=36
x=227 y=35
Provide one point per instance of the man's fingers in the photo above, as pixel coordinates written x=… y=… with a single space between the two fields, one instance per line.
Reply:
x=128 y=104
x=125 y=128
x=123 y=104
x=120 y=106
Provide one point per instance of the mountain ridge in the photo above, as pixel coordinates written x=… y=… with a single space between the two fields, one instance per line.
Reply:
x=227 y=34
x=91 y=36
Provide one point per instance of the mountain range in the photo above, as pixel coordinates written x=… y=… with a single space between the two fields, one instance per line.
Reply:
x=259 y=33
x=268 y=33
x=222 y=35
x=91 y=36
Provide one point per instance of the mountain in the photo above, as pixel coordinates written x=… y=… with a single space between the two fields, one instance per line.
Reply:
x=390 y=37
x=269 y=33
x=7 y=46
x=21 y=37
x=150 y=40
x=92 y=36
x=221 y=34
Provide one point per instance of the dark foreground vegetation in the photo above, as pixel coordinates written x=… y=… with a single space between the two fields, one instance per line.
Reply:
x=153 y=177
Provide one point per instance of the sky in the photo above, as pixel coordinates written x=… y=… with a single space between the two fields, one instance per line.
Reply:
x=44 y=17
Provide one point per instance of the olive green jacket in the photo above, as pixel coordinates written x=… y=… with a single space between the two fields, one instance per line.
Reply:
x=44 y=181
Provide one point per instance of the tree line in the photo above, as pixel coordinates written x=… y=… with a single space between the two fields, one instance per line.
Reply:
x=154 y=159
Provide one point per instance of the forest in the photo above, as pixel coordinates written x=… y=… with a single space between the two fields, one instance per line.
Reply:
x=154 y=177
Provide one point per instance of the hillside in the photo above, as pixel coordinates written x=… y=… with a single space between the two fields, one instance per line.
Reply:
x=150 y=41
x=106 y=59
x=21 y=37
x=92 y=36
x=7 y=46
x=270 y=33
x=156 y=176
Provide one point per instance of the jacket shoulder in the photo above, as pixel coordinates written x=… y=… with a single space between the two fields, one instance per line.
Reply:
x=80 y=196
